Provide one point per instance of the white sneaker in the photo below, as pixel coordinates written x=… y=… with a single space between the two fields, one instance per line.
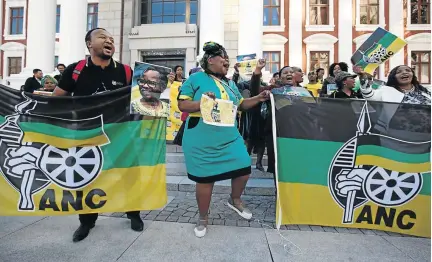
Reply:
x=240 y=209
x=200 y=228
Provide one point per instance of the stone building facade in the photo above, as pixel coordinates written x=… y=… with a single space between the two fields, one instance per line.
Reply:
x=303 y=33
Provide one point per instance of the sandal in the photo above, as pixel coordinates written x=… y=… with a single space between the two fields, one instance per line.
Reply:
x=201 y=228
x=240 y=209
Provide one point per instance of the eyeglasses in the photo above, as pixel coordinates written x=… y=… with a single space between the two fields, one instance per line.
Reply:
x=149 y=83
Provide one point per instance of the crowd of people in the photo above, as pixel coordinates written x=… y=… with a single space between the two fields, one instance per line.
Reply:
x=215 y=153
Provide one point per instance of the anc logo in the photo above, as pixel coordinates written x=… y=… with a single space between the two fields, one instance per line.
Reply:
x=376 y=54
x=31 y=167
x=358 y=175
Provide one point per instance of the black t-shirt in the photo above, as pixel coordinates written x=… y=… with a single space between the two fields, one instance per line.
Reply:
x=342 y=94
x=93 y=79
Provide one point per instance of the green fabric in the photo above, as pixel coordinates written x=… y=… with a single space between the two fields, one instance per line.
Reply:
x=308 y=161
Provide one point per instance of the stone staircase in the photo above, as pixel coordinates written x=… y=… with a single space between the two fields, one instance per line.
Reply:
x=260 y=183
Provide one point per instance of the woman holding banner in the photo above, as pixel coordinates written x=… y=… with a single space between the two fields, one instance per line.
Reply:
x=402 y=87
x=213 y=152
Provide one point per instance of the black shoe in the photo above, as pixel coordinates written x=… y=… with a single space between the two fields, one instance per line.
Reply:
x=260 y=167
x=82 y=232
x=136 y=223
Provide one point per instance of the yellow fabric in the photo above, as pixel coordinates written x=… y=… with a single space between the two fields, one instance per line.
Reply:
x=393 y=165
x=59 y=142
x=223 y=92
x=307 y=204
x=314 y=88
x=126 y=189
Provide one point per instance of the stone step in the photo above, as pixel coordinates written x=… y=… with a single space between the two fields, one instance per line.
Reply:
x=179 y=169
x=255 y=186
x=177 y=157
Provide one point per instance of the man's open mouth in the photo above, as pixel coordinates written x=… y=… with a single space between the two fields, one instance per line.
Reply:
x=108 y=48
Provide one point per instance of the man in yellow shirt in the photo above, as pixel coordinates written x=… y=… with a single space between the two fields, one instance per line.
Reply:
x=313 y=86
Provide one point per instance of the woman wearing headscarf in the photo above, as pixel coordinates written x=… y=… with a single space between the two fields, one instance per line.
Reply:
x=215 y=153
x=48 y=83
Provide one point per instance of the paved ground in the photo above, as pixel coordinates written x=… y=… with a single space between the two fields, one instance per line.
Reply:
x=182 y=208
x=30 y=239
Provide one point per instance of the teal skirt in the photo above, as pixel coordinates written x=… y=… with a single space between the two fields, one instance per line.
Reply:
x=214 y=153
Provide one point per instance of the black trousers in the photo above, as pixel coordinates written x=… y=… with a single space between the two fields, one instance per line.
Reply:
x=90 y=219
x=270 y=153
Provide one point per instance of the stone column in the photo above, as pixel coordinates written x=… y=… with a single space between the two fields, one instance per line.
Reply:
x=41 y=31
x=73 y=27
x=295 y=36
x=345 y=36
x=396 y=27
x=211 y=22
x=250 y=27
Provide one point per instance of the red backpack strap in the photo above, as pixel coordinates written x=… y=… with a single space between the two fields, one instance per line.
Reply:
x=128 y=72
x=77 y=70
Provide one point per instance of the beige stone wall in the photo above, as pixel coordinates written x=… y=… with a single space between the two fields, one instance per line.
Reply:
x=109 y=17
x=231 y=29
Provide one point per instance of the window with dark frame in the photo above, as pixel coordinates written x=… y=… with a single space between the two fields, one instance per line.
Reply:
x=369 y=12
x=16 y=20
x=56 y=60
x=14 y=65
x=169 y=11
x=92 y=16
x=319 y=59
x=420 y=12
x=318 y=12
x=421 y=63
x=58 y=19
x=272 y=12
x=273 y=59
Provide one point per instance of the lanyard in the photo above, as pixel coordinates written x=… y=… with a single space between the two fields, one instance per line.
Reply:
x=224 y=86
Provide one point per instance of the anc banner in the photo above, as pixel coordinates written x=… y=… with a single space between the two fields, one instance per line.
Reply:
x=69 y=155
x=377 y=49
x=353 y=163
x=174 y=121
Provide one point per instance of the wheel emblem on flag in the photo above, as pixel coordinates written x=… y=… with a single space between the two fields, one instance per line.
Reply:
x=71 y=168
x=356 y=177
x=391 y=188
x=31 y=167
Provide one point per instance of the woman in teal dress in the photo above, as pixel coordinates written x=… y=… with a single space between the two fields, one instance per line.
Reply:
x=214 y=153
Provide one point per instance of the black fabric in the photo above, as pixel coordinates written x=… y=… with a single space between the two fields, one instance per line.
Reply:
x=93 y=79
x=31 y=85
x=178 y=140
x=337 y=119
x=90 y=219
x=224 y=176
x=70 y=108
x=341 y=94
x=270 y=153
x=57 y=77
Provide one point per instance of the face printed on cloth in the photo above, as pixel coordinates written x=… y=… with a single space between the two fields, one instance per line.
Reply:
x=150 y=85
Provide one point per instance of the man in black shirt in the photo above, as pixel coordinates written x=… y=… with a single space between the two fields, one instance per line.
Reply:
x=61 y=68
x=34 y=83
x=97 y=74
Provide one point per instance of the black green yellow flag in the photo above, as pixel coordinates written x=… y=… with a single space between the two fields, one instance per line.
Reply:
x=67 y=155
x=353 y=163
